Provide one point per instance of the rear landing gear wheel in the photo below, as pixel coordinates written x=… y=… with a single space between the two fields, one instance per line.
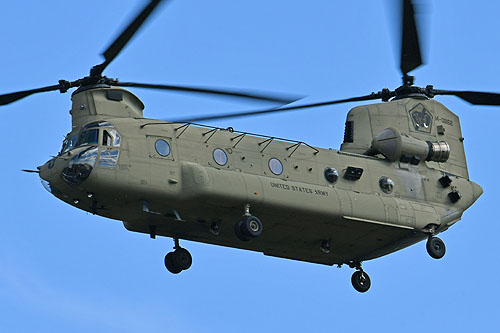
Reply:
x=248 y=228
x=182 y=258
x=178 y=261
x=435 y=247
x=361 y=281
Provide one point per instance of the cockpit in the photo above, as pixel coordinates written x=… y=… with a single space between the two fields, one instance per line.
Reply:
x=99 y=142
x=90 y=134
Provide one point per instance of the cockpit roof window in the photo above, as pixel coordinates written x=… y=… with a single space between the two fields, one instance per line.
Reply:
x=98 y=124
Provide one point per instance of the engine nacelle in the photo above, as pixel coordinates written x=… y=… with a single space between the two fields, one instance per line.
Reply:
x=396 y=146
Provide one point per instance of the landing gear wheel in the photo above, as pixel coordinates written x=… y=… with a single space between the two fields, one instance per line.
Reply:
x=178 y=261
x=170 y=264
x=435 y=247
x=248 y=228
x=361 y=281
x=182 y=258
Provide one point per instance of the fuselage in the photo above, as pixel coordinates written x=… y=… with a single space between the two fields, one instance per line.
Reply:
x=181 y=180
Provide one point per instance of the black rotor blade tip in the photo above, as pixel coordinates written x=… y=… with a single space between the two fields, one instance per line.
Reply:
x=15 y=96
x=411 y=56
x=122 y=40
x=479 y=98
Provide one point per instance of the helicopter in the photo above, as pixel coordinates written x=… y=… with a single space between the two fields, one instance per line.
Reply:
x=231 y=188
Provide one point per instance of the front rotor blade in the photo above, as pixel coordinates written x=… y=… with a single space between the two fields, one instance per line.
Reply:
x=411 y=56
x=30 y=171
x=122 y=40
x=15 y=96
x=473 y=97
x=274 y=110
x=284 y=99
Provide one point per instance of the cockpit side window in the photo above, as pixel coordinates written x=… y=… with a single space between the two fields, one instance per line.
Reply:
x=110 y=138
x=116 y=142
x=107 y=139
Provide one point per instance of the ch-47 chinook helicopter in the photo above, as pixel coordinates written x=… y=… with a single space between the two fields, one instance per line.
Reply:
x=400 y=176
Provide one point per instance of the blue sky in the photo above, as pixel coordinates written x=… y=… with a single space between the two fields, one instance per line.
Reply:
x=62 y=269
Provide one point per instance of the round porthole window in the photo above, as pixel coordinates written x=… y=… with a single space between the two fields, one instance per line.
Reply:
x=162 y=147
x=386 y=184
x=331 y=175
x=275 y=166
x=220 y=156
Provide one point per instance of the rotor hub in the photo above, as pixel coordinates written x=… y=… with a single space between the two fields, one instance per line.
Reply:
x=408 y=80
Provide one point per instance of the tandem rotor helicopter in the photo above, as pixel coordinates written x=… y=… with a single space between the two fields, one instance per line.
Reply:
x=400 y=176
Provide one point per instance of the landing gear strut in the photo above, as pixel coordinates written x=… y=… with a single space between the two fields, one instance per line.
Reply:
x=435 y=247
x=248 y=227
x=360 y=279
x=179 y=260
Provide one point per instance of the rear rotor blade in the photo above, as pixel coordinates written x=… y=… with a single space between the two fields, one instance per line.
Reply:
x=411 y=56
x=270 y=97
x=274 y=110
x=473 y=97
x=122 y=40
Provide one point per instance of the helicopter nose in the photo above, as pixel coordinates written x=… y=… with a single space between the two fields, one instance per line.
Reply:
x=44 y=172
x=476 y=191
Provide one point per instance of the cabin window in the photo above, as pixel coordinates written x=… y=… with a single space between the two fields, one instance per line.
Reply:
x=220 y=157
x=386 y=184
x=275 y=166
x=331 y=175
x=162 y=147
x=88 y=137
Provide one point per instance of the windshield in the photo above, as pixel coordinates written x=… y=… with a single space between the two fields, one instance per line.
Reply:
x=88 y=137
x=69 y=143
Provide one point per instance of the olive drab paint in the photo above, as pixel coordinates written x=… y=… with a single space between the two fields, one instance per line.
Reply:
x=190 y=190
x=399 y=177
x=420 y=118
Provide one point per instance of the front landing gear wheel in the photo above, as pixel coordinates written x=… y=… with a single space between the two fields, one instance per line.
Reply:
x=435 y=247
x=170 y=265
x=178 y=261
x=361 y=281
x=248 y=227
